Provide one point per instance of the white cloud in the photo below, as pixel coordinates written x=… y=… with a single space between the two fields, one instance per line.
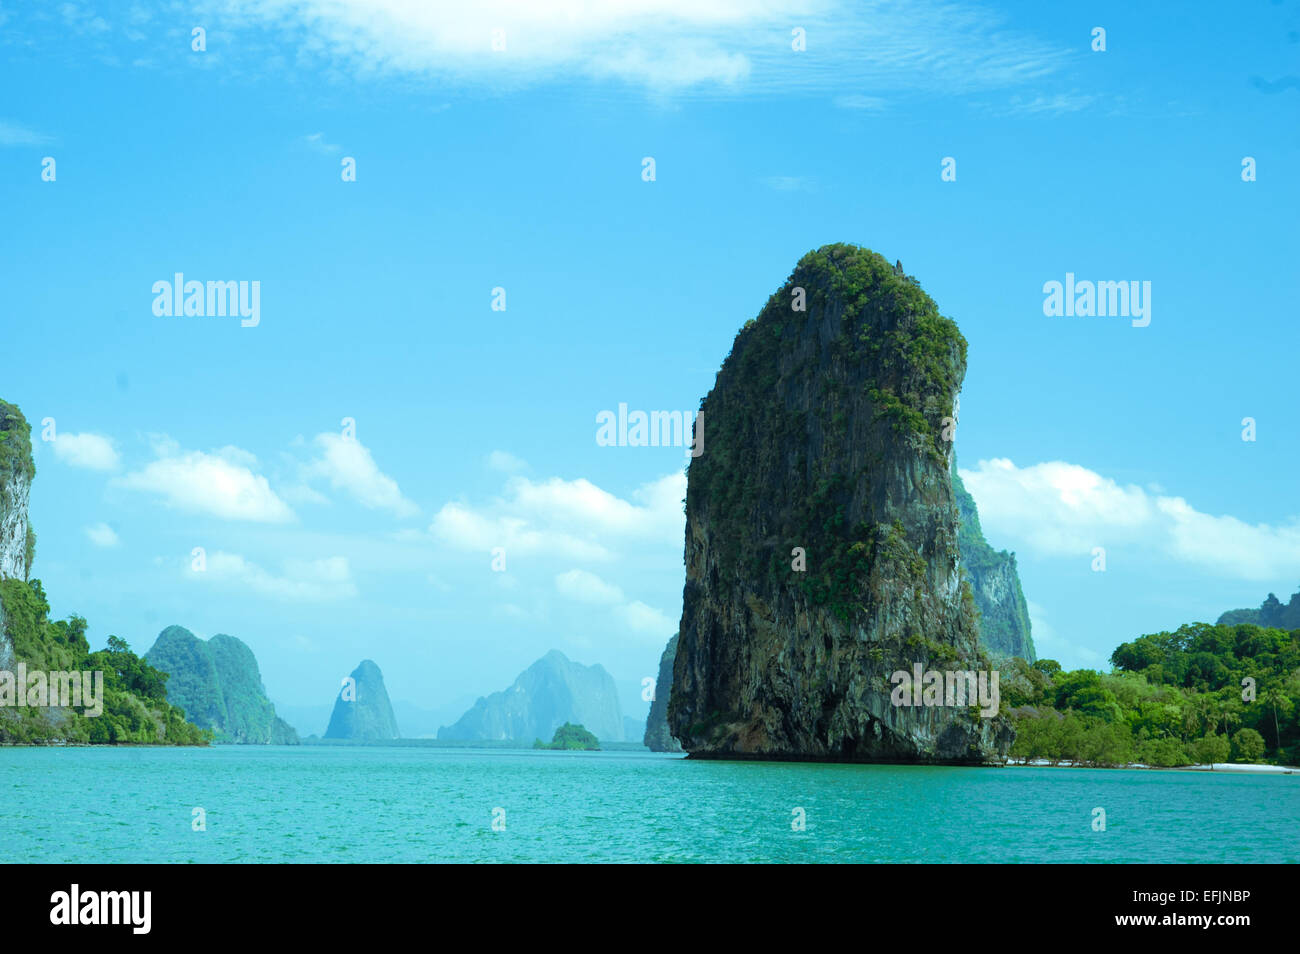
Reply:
x=584 y=587
x=787 y=183
x=665 y=46
x=1050 y=645
x=91 y=451
x=587 y=587
x=101 y=535
x=348 y=466
x=12 y=134
x=1057 y=104
x=648 y=620
x=505 y=462
x=222 y=484
x=317 y=142
x=569 y=519
x=465 y=528
x=1063 y=509
x=302 y=580
x=857 y=101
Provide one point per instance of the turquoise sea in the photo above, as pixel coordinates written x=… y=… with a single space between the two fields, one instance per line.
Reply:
x=326 y=804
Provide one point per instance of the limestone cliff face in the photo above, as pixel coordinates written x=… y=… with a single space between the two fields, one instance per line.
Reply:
x=657 y=736
x=17 y=541
x=1003 y=614
x=821 y=531
x=16 y=472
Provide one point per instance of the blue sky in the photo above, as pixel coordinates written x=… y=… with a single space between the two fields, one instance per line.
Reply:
x=522 y=169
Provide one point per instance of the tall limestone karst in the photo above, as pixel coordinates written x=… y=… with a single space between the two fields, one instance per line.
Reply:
x=825 y=451
x=552 y=691
x=219 y=685
x=657 y=736
x=362 y=710
x=17 y=541
x=1003 y=614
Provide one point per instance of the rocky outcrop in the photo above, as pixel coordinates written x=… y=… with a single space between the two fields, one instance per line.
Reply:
x=552 y=691
x=17 y=541
x=1003 y=614
x=657 y=736
x=821 y=531
x=219 y=685
x=362 y=710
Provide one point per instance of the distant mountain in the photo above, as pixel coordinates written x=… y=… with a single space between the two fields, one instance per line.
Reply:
x=362 y=709
x=219 y=686
x=657 y=737
x=549 y=693
x=1272 y=612
x=995 y=584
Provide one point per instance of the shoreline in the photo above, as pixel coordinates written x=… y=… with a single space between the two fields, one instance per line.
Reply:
x=1228 y=768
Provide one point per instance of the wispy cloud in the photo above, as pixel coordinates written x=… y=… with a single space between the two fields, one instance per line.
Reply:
x=317 y=141
x=584 y=587
x=101 y=535
x=320 y=580
x=349 y=466
x=12 y=134
x=1057 y=104
x=568 y=519
x=664 y=46
x=221 y=484
x=858 y=101
x=788 y=183
x=88 y=451
x=1061 y=509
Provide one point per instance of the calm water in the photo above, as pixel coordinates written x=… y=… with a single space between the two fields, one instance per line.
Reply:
x=320 y=804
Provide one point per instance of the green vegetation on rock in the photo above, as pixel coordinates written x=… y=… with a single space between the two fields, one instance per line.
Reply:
x=219 y=685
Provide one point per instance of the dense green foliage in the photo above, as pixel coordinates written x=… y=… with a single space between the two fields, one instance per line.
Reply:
x=218 y=683
x=135 y=707
x=15 y=444
x=569 y=736
x=1171 y=699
